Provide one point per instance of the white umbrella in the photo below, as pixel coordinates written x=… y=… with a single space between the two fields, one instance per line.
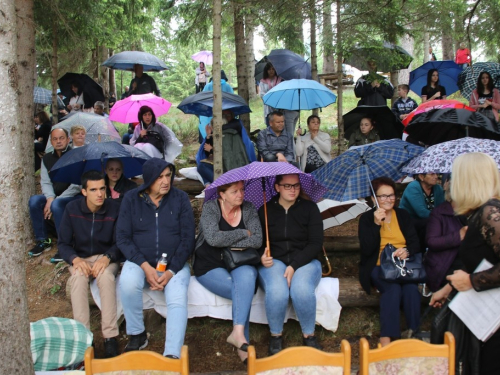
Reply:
x=336 y=213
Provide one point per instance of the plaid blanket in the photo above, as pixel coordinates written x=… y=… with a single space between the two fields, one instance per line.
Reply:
x=58 y=342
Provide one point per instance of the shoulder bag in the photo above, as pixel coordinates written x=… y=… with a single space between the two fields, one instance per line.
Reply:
x=235 y=257
x=393 y=269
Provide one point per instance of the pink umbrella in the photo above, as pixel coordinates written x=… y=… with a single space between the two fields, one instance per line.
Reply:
x=204 y=57
x=126 y=110
x=436 y=104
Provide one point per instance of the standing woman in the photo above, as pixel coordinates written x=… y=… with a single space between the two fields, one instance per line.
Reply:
x=201 y=77
x=269 y=80
x=229 y=221
x=475 y=193
x=43 y=126
x=486 y=98
x=76 y=102
x=292 y=269
x=433 y=90
x=314 y=147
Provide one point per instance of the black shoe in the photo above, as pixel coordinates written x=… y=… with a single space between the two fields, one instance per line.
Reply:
x=56 y=258
x=312 y=342
x=110 y=348
x=275 y=345
x=137 y=342
x=171 y=356
x=40 y=247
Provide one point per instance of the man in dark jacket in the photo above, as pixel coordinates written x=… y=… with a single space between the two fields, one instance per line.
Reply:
x=372 y=88
x=156 y=218
x=87 y=243
x=142 y=83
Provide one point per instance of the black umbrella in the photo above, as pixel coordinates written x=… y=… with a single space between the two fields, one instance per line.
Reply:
x=259 y=69
x=389 y=57
x=201 y=104
x=92 y=91
x=387 y=125
x=289 y=65
x=127 y=59
x=441 y=125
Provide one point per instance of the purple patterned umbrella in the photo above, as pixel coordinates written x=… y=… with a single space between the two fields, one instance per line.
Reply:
x=252 y=175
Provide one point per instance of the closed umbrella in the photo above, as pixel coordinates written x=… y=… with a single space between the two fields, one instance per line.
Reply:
x=127 y=59
x=126 y=110
x=448 y=76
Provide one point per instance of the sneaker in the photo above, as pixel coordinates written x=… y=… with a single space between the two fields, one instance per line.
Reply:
x=171 y=356
x=275 y=344
x=56 y=258
x=137 y=342
x=40 y=247
x=312 y=342
x=201 y=195
x=110 y=348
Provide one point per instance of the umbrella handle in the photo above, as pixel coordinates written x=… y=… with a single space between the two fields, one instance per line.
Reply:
x=268 y=246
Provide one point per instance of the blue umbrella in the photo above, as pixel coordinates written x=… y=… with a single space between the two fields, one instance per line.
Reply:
x=299 y=94
x=448 y=76
x=70 y=167
x=348 y=176
x=201 y=104
x=289 y=65
x=42 y=96
x=127 y=59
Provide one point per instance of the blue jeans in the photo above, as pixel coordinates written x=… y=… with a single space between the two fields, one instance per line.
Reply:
x=206 y=171
x=37 y=204
x=302 y=291
x=238 y=286
x=132 y=283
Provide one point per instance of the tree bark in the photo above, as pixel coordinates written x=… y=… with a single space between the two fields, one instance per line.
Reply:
x=104 y=78
x=407 y=43
x=17 y=48
x=217 y=108
x=55 y=73
x=447 y=38
x=327 y=39
x=340 y=120
x=241 y=59
x=250 y=57
x=314 y=55
x=112 y=79
x=426 y=46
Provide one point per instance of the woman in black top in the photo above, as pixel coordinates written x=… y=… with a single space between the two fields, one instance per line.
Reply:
x=433 y=90
x=42 y=134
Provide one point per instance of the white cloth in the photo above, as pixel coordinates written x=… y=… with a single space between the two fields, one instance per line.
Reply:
x=191 y=173
x=202 y=302
x=149 y=149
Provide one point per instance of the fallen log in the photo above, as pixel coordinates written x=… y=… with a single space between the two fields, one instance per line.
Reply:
x=192 y=187
x=351 y=294
x=336 y=244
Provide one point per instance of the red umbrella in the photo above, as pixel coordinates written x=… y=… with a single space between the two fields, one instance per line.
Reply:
x=436 y=104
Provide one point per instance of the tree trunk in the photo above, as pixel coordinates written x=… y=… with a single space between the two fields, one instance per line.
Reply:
x=55 y=73
x=314 y=55
x=241 y=60
x=94 y=65
x=327 y=39
x=447 y=38
x=250 y=61
x=340 y=120
x=112 y=79
x=407 y=43
x=426 y=45
x=217 y=108
x=17 y=48
x=104 y=79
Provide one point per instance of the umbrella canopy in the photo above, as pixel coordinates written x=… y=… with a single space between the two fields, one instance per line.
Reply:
x=98 y=128
x=439 y=158
x=253 y=173
x=127 y=59
x=70 y=167
x=436 y=104
x=205 y=57
x=441 y=125
x=289 y=65
x=387 y=125
x=388 y=57
x=126 y=110
x=92 y=91
x=467 y=79
x=42 y=96
x=448 y=76
x=259 y=69
x=201 y=104
x=336 y=213
x=299 y=94
x=348 y=176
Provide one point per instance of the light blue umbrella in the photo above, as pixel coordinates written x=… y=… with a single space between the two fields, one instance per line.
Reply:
x=299 y=94
x=448 y=76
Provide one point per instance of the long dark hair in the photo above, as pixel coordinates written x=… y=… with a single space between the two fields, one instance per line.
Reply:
x=489 y=87
x=145 y=109
x=429 y=78
x=266 y=68
x=77 y=85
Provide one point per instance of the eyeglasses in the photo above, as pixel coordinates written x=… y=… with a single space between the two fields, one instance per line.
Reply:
x=289 y=186
x=385 y=197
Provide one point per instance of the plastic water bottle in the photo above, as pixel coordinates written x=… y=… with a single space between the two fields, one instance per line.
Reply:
x=162 y=263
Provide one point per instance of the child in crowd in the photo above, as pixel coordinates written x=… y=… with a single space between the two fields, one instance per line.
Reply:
x=78 y=134
x=404 y=105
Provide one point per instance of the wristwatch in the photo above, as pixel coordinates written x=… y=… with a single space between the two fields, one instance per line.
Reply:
x=108 y=256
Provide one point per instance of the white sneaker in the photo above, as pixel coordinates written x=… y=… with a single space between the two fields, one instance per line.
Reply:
x=201 y=195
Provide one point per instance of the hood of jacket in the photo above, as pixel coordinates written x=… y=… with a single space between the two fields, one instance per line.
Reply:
x=152 y=169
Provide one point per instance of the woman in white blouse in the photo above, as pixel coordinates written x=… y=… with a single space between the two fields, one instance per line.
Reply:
x=314 y=147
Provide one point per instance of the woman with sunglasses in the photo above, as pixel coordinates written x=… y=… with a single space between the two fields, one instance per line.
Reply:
x=383 y=225
x=289 y=268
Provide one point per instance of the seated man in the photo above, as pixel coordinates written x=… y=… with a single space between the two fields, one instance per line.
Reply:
x=274 y=143
x=156 y=218
x=99 y=109
x=54 y=198
x=87 y=243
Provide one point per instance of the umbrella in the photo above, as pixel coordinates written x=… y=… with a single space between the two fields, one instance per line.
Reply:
x=92 y=91
x=467 y=79
x=289 y=65
x=70 y=167
x=440 y=125
x=448 y=75
x=127 y=59
x=98 y=128
x=42 y=96
x=388 y=126
x=201 y=104
x=336 y=213
x=388 y=57
x=299 y=94
x=126 y=110
x=252 y=175
x=348 y=176
x=205 y=57
x=439 y=158
x=436 y=104
x=259 y=69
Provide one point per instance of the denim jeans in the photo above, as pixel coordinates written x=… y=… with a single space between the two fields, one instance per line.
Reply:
x=238 y=286
x=302 y=291
x=132 y=283
x=206 y=172
x=37 y=204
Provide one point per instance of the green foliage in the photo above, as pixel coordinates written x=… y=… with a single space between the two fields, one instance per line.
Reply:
x=56 y=288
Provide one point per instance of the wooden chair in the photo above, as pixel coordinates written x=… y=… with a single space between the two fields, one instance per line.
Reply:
x=408 y=356
x=136 y=362
x=301 y=356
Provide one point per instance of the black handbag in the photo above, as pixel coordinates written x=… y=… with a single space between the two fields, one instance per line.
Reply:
x=235 y=257
x=153 y=138
x=393 y=269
